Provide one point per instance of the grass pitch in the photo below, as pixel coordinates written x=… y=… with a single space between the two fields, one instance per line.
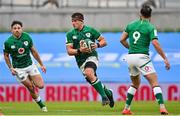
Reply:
x=86 y=108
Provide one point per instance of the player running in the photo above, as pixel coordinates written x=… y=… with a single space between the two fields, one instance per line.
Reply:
x=140 y=33
x=86 y=59
x=18 y=46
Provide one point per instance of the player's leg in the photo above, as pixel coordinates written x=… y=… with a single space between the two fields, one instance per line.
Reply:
x=30 y=86
x=88 y=69
x=150 y=74
x=152 y=79
x=130 y=94
x=22 y=77
x=37 y=81
x=89 y=72
x=107 y=91
x=132 y=60
x=109 y=94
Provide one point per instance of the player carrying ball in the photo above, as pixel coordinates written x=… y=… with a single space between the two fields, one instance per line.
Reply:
x=87 y=60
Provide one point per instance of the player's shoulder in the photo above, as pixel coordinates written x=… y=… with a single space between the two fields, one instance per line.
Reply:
x=132 y=23
x=9 y=39
x=70 y=32
x=25 y=34
x=88 y=28
x=91 y=30
x=151 y=25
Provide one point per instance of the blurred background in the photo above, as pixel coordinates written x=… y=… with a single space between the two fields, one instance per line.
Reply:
x=47 y=21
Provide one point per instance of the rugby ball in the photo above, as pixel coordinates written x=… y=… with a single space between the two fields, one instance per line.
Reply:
x=88 y=43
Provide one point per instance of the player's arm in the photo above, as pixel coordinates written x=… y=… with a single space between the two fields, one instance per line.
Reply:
x=160 y=52
x=8 y=62
x=97 y=36
x=37 y=57
x=71 y=51
x=101 y=42
x=123 y=40
x=7 y=59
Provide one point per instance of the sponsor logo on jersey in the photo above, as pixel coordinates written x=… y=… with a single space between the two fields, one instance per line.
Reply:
x=74 y=37
x=13 y=46
x=88 y=35
x=21 y=50
x=26 y=43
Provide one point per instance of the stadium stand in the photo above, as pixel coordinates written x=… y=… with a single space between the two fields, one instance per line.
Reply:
x=115 y=13
x=90 y=3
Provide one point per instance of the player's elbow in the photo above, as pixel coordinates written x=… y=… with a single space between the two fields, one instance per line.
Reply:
x=105 y=43
x=122 y=41
x=70 y=53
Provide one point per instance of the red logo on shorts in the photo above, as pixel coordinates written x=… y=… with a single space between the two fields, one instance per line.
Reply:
x=147 y=68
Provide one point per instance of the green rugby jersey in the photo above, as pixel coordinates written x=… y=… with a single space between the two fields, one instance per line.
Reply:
x=19 y=50
x=140 y=33
x=74 y=37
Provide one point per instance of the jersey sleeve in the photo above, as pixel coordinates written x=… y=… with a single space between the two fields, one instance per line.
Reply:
x=153 y=34
x=126 y=29
x=96 y=34
x=30 y=41
x=69 y=39
x=6 y=47
x=29 y=38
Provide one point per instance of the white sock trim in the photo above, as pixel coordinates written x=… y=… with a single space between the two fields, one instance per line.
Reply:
x=157 y=90
x=37 y=99
x=95 y=82
x=131 y=90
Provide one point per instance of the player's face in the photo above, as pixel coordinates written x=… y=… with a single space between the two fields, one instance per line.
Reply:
x=77 y=24
x=16 y=30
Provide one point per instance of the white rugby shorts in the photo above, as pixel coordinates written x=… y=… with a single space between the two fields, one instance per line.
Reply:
x=23 y=73
x=139 y=63
x=91 y=59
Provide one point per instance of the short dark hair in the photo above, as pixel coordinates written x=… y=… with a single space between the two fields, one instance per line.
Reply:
x=146 y=11
x=77 y=16
x=16 y=22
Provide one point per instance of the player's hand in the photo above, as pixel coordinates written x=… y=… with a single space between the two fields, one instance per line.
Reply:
x=13 y=71
x=43 y=68
x=83 y=49
x=167 y=65
x=94 y=46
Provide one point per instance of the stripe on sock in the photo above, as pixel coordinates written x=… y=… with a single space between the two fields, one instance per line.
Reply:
x=157 y=90
x=96 y=81
x=37 y=99
x=131 y=90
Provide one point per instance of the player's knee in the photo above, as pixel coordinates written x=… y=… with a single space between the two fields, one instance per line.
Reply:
x=30 y=88
x=136 y=84
x=41 y=86
x=90 y=69
x=89 y=72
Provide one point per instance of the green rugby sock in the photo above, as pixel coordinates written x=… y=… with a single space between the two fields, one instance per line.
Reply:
x=107 y=91
x=39 y=102
x=99 y=88
x=158 y=95
x=130 y=94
